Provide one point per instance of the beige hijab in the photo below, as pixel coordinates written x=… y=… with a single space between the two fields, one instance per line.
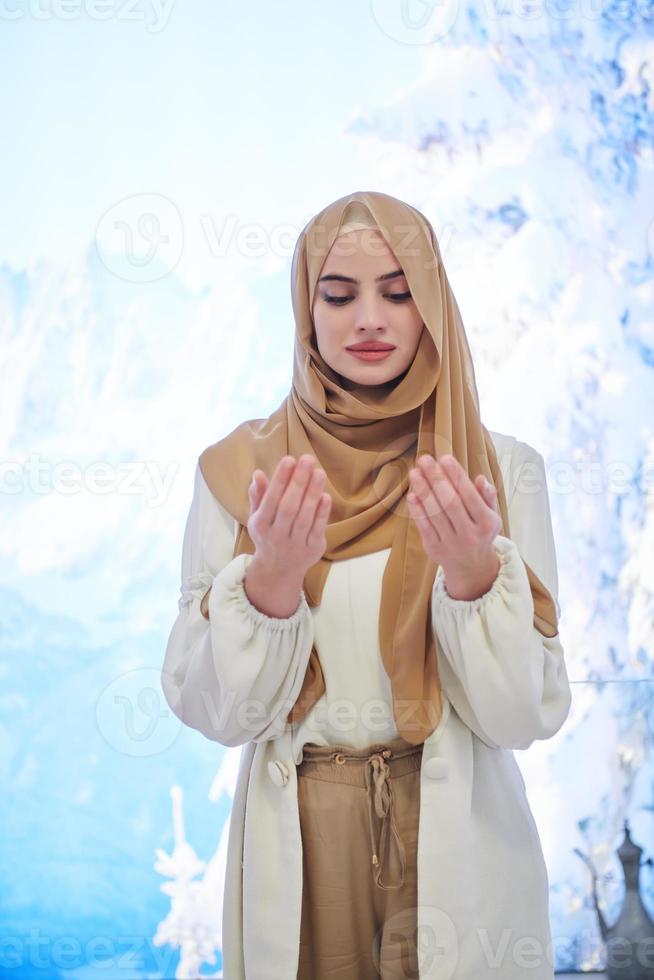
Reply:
x=366 y=444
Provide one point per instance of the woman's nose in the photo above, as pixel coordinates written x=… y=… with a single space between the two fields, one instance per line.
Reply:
x=369 y=313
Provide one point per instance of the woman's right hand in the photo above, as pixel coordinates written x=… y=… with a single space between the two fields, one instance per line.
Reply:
x=288 y=516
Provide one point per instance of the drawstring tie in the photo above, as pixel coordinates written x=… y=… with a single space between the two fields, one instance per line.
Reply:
x=383 y=802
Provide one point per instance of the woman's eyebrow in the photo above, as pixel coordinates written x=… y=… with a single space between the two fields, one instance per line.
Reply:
x=382 y=278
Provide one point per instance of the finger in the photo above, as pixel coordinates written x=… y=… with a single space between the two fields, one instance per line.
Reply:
x=254 y=487
x=289 y=505
x=304 y=518
x=428 y=531
x=323 y=508
x=463 y=486
x=488 y=492
x=258 y=486
x=261 y=480
x=280 y=478
x=440 y=499
x=429 y=504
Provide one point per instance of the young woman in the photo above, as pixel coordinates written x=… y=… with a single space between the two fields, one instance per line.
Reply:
x=369 y=612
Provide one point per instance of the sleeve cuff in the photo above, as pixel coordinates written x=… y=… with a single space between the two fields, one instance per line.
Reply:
x=228 y=588
x=194 y=588
x=511 y=566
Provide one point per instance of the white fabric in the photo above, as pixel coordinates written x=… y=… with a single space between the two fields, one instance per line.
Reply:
x=482 y=881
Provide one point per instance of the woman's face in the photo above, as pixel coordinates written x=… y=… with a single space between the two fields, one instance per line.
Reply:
x=350 y=306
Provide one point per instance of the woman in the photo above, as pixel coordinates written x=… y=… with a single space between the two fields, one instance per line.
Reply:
x=357 y=550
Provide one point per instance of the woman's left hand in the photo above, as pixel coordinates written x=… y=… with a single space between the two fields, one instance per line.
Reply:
x=458 y=520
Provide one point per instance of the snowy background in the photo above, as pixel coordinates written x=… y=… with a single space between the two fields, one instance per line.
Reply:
x=160 y=160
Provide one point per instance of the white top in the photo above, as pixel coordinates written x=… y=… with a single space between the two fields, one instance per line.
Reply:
x=482 y=878
x=236 y=677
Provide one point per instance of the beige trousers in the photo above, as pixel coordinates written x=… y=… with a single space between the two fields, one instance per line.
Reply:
x=359 y=811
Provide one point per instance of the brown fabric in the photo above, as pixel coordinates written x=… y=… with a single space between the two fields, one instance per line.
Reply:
x=367 y=443
x=359 y=815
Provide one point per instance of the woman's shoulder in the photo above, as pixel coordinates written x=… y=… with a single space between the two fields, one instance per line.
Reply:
x=210 y=507
x=508 y=445
x=516 y=459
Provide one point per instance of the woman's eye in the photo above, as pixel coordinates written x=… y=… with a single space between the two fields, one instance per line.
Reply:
x=340 y=300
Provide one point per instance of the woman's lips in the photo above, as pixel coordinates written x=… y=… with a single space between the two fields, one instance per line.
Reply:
x=371 y=355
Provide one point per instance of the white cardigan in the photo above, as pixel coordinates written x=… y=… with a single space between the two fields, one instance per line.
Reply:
x=482 y=880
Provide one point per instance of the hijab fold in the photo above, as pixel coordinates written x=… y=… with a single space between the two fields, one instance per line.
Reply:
x=367 y=443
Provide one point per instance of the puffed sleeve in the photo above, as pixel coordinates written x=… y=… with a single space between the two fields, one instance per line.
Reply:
x=235 y=677
x=507 y=681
